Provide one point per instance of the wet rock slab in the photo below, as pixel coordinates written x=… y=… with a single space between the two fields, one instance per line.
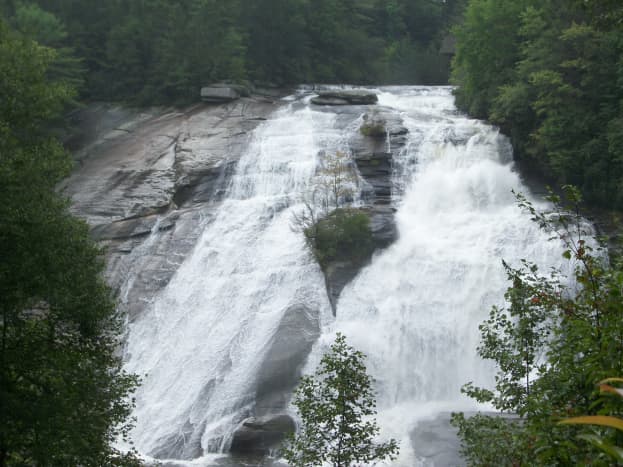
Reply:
x=287 y=352
x=146 y=180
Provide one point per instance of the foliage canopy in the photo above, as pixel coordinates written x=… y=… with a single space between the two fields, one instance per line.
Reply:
x=163 y=51
x=549 y=73
x=63 y=395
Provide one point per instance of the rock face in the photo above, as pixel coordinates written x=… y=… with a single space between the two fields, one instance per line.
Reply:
x=373 y=157
x=345 y=97
x=437 y=441
x=258 y=435
x=146 y=181
x=281 y=368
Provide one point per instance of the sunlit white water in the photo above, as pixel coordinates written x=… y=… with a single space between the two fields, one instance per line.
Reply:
x=415 y=310
x=202 y=341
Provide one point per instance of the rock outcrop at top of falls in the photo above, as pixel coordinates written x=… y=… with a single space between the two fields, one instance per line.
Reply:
x=221 y=93
x=345 y=97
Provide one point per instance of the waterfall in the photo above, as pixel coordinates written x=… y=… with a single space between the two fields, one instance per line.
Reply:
x=414 y=310
x=201 y=343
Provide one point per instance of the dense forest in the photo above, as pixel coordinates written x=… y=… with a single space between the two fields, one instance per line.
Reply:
x=157 y=51
x=550 y=73
x=63 y=395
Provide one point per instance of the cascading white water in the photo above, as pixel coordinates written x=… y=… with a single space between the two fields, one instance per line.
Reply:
x=201 y=343
x=414 y=311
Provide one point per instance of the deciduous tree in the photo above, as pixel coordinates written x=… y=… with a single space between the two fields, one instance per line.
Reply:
x=336 y=407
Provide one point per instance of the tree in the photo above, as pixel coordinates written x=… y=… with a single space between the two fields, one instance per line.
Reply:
x=329 y=190
x=555 y=339
x=333 y=231
x=64 y=398
x=47 y=30
x=336 y=406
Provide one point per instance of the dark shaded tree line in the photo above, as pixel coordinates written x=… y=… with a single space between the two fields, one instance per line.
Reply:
x=64 y=398
x=550 y=73
x=158 y=51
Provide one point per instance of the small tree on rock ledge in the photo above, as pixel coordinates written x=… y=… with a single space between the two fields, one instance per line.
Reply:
x=335 y=405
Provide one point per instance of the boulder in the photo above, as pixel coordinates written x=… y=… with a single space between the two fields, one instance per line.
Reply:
x=437 y=441
x=258 y=435
x=345 y=97
x=220 y=93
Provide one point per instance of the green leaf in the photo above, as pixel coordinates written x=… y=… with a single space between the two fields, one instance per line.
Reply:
x=613 y=451
x=600 y=420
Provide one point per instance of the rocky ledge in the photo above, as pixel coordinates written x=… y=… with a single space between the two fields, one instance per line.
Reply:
x=220 y=93
x=345 y=97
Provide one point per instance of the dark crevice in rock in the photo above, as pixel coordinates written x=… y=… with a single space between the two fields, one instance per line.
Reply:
x=132 y=227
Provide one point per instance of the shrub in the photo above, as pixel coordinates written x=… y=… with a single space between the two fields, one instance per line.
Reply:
x=374 y=129
x=553 y=339
x=343 y=235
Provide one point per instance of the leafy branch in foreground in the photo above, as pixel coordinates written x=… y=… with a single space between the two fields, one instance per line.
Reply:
x=604 y=440
x=556 y=336
x=335 y=406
